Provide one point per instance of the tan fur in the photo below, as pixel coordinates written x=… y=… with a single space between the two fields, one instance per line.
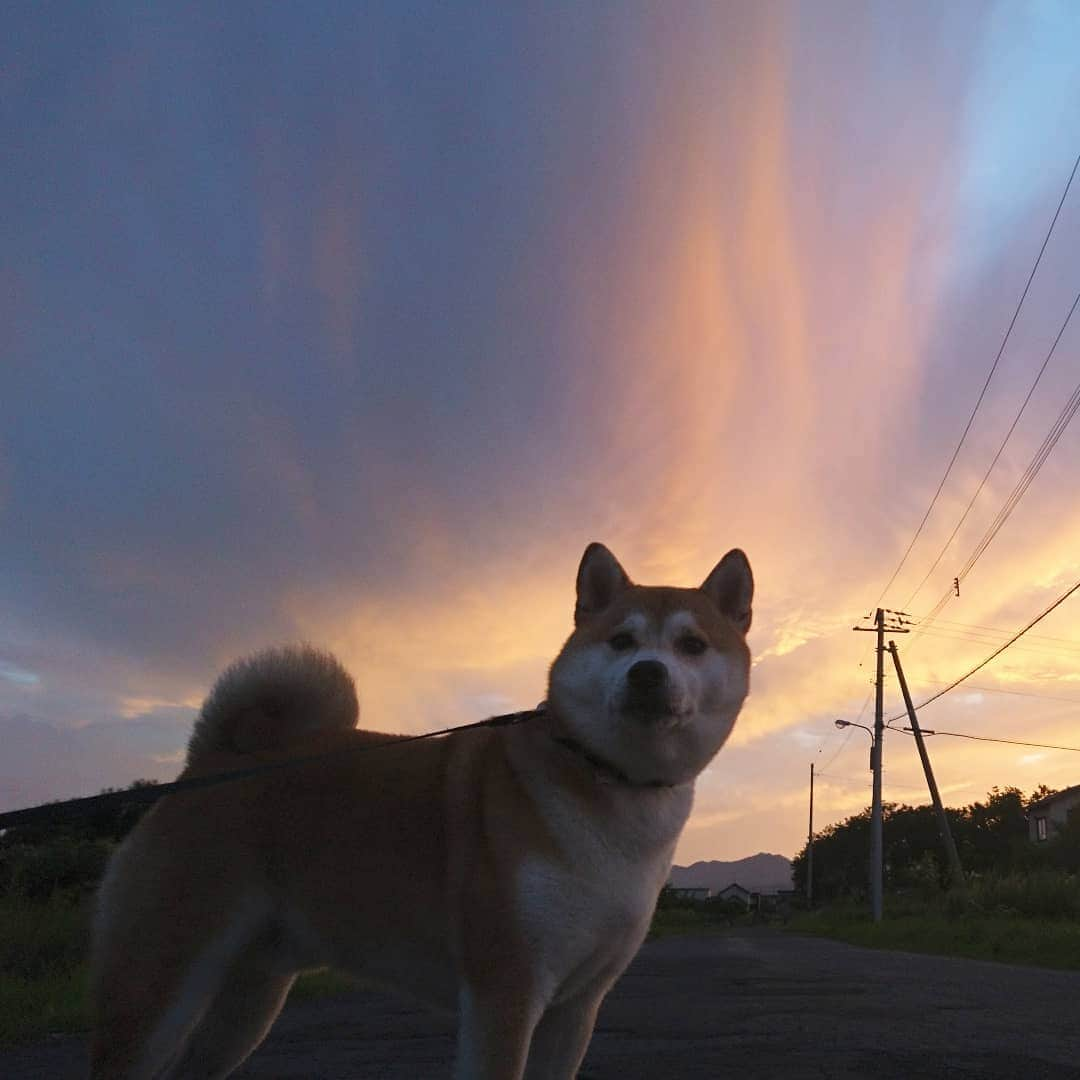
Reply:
x=501 y=873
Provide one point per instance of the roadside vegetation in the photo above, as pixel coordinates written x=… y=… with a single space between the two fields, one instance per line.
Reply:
x=1008 y=937
x=42 y=967
x=48 y=877
x=47 y=880
x=1020 y=902
x=675 y=916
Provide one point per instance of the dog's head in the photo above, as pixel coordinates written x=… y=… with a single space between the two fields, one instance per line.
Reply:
x=652 y=678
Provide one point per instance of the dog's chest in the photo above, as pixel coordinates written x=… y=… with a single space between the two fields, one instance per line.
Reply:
x=583 y=928
x=585 y=920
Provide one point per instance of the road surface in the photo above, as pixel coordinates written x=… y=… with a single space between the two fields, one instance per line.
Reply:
x=749 y=1005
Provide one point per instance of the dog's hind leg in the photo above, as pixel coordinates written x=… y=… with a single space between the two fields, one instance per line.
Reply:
x=152 y=994
x=237 y=1018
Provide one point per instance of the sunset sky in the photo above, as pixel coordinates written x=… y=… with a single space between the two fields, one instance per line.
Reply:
x=355 y=324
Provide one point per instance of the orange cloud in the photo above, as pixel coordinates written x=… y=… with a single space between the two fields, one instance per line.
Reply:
x=756 y=368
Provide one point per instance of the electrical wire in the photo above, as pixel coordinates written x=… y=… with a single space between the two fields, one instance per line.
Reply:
x=866 y=701
x=1000 y=450
x=951 y=634
x=987 y=738
x=1050 y=652
x=996 y=653
x=1017 y=493
x=915 y=620
x=1020 y=693
x=852 y=782
x=1035 y=644
x=843 y=744
x=982 y=393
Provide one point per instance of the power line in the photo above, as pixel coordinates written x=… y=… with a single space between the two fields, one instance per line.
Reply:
x=1009 y=742
x=916 y=619
x=1000 y=450
x=1017 y=493
x=1021 y=693
x=1057 y=652
x=843 y=745
x=853 y=782
x=1044 y=644
x=1032 y=471
x=866 y=701
x=982 y=393
x=996 y=653
x=1035 y=645
x=981 y=636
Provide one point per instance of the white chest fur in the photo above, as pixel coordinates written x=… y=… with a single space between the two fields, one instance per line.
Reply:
x=587 y=913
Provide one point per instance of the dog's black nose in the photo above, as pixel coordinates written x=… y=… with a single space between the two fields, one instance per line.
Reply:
x=647 y=676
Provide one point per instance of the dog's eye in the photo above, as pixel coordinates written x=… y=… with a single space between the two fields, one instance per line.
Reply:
x=692 y=645
x=622 y=642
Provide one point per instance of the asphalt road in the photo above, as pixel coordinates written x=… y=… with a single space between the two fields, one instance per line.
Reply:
x=747 y=1004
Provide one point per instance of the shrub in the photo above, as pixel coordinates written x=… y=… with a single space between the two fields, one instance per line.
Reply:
x=1044 y=894
x=65 y=864
x=43 y=949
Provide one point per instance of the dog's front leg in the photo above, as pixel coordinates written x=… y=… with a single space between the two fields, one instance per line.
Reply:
x=495 y=1028
x=562 y=1037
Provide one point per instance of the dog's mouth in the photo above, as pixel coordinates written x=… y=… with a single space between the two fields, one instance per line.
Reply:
x=653 y=710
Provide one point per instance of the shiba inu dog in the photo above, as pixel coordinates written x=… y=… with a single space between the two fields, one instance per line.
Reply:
x=507 y=873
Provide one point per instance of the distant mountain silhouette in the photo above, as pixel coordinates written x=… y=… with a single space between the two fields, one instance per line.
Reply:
x=758 y=873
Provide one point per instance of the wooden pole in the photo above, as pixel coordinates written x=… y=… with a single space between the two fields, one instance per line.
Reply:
x=876 y=845
x=810 y=845
x=956 y=871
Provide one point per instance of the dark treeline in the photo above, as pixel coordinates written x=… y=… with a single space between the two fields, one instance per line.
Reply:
x=38 y=862
x=991 y=838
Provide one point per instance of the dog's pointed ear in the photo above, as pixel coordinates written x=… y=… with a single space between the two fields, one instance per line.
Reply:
x=600 y=579
x=730 y=586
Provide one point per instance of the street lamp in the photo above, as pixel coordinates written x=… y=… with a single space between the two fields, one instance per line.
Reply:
x=851 y=723
x=869 y=731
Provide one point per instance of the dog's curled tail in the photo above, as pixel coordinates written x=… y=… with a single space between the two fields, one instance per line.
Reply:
x=272 y=698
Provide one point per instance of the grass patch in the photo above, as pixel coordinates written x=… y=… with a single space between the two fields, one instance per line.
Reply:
x=1010 y=939
x=322 y=983
x=42 y=967
x=1031 y=918
x=1042 y=894
x=44 y=989
x=678 y=921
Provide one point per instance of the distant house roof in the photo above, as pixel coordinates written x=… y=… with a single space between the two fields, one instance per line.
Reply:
x=734 y=887
x=1069 y=793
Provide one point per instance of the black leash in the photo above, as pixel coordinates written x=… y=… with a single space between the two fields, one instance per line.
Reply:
x=609 y=773
x=74 y=809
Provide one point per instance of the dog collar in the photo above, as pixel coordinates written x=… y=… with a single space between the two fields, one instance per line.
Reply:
x=609 y=774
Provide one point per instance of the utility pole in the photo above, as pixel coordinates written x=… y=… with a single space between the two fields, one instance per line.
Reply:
x=810 y=845
x=876 y=842
x=956 y=872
